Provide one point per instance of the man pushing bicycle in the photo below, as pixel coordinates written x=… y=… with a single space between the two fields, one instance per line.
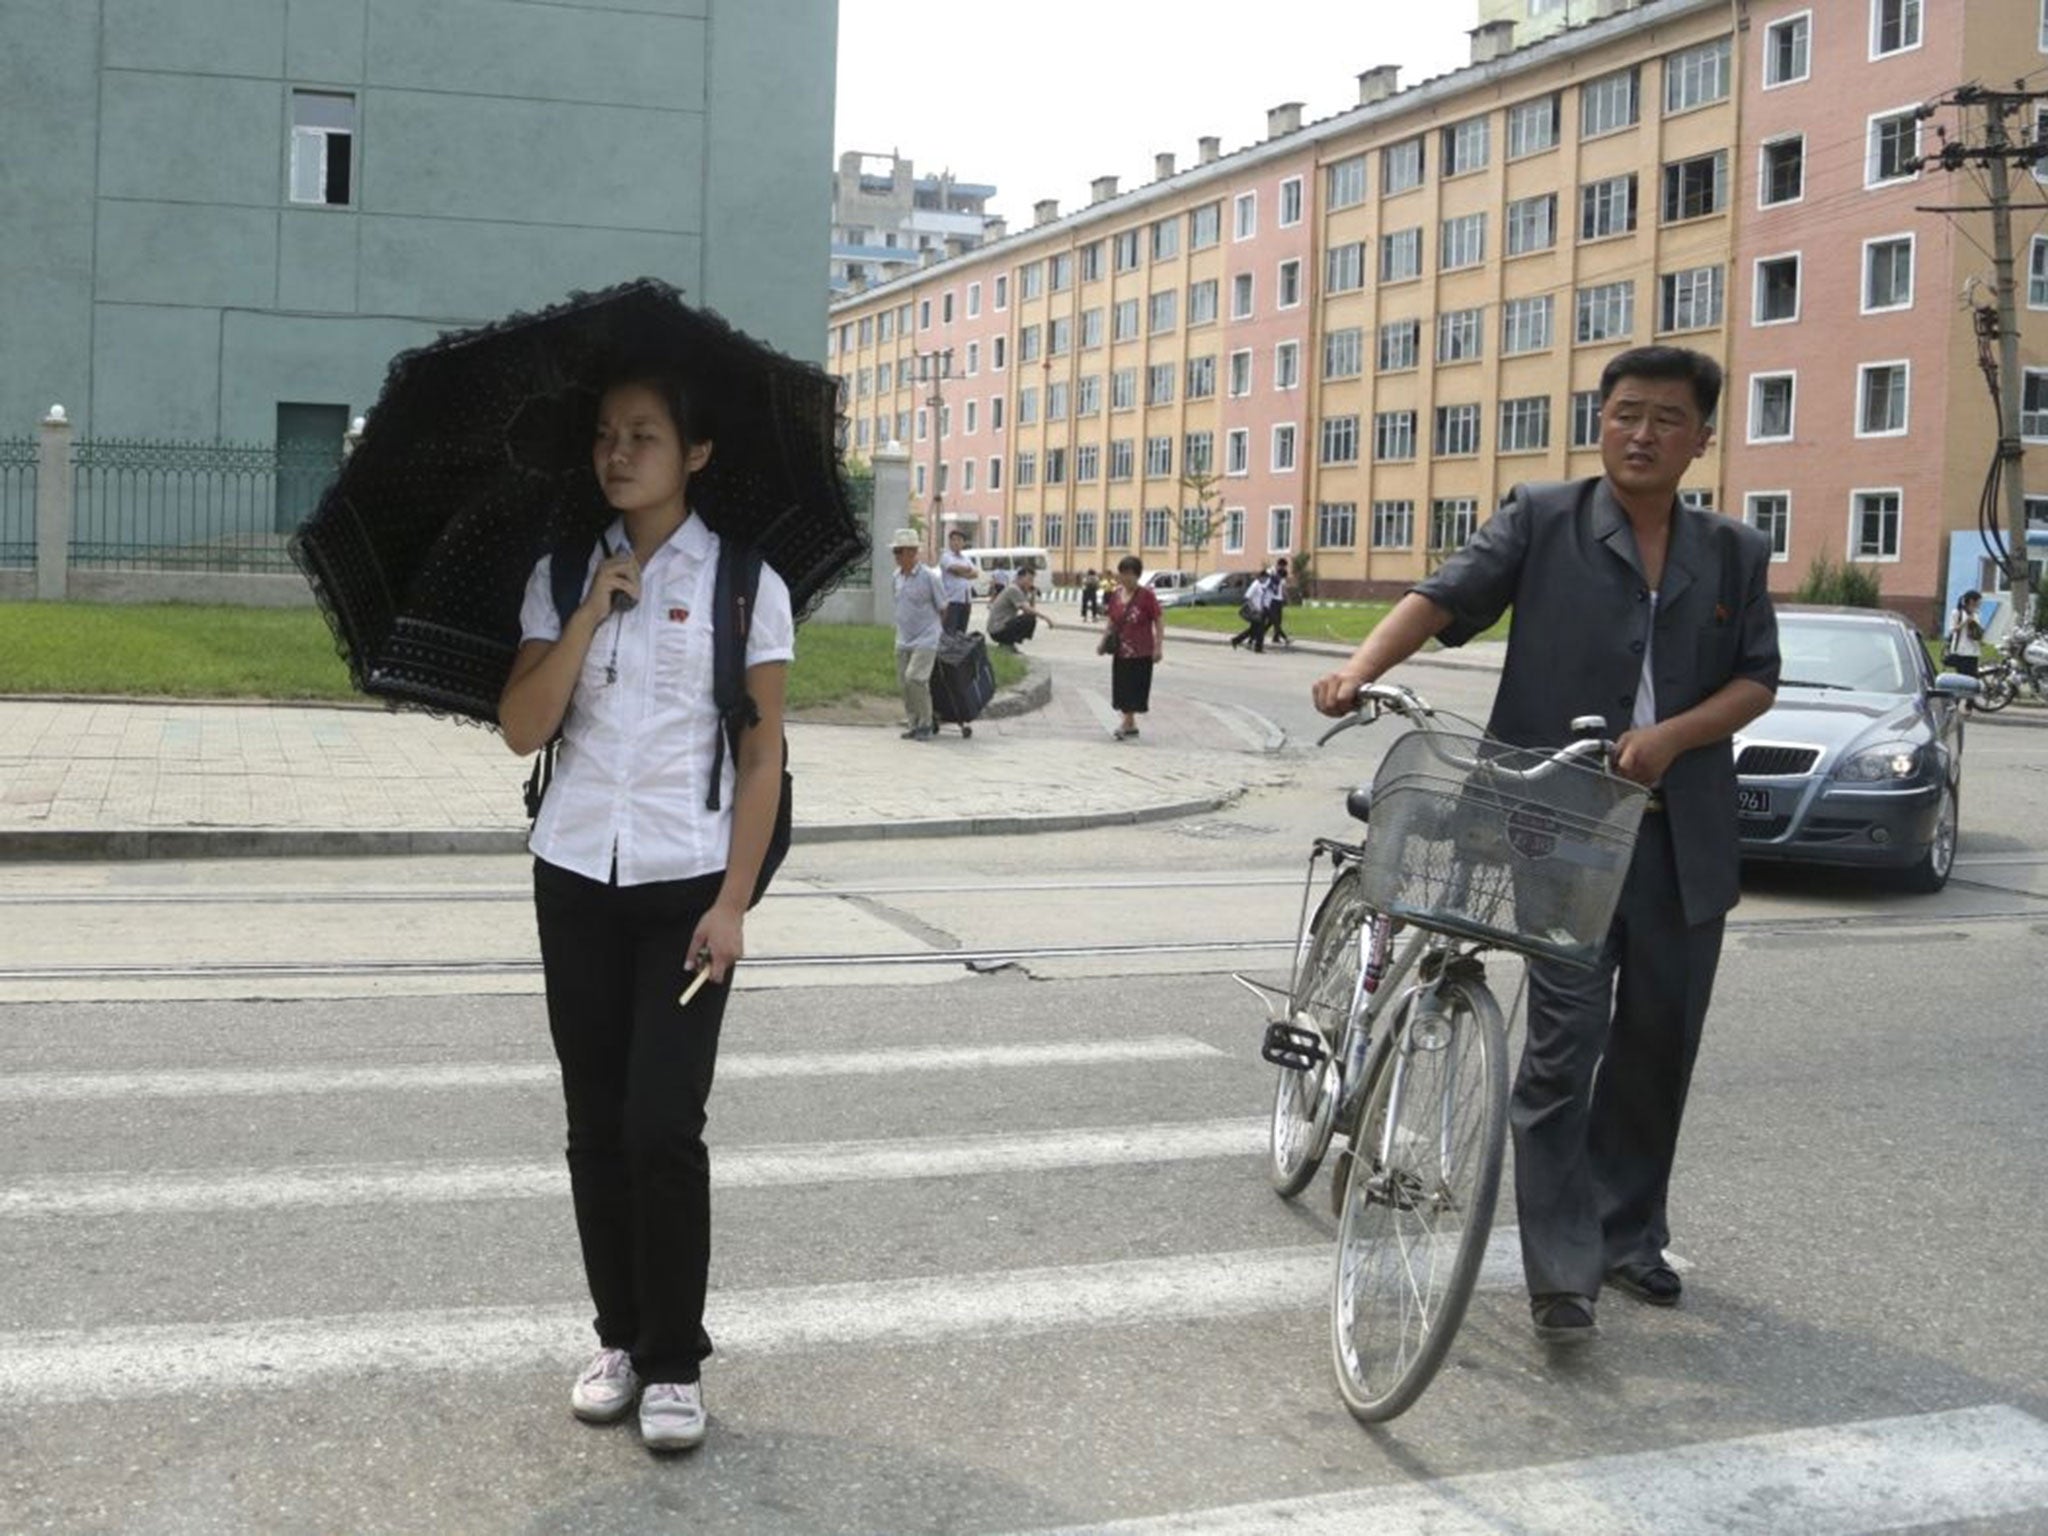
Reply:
x=1655 y=616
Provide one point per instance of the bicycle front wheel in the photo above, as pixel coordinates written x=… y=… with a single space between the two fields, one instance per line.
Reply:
x=1418 y=1205
x=1305 y=1103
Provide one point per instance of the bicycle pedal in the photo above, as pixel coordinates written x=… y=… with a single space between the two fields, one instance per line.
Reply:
x=1289 y=1045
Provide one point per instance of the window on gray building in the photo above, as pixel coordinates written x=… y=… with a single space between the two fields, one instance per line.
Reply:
x=323 y=148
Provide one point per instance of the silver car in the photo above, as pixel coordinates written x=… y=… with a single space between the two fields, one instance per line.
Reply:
x=1859 y=762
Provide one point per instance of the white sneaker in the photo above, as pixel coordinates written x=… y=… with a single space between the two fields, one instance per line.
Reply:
x=606 y=1389
x=672 y=1415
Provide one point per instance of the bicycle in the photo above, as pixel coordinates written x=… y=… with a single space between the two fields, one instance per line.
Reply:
x=1388 y=1035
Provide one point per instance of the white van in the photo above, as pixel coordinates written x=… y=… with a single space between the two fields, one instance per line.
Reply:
x=1013 y=559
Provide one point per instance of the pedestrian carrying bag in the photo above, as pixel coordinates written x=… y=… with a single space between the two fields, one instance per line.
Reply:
x=732 y=621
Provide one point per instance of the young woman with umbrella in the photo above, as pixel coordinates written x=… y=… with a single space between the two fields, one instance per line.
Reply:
x=641 y=891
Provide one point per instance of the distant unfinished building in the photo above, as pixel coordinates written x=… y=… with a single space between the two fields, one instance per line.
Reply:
x=884 y=217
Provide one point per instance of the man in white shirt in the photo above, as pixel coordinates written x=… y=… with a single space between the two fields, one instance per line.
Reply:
x=920 y=620
x=959 y=575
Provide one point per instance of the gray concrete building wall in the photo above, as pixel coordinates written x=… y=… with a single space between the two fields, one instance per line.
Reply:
x=156 y=276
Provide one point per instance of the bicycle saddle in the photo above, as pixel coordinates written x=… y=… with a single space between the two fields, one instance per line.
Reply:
x=1359 y=803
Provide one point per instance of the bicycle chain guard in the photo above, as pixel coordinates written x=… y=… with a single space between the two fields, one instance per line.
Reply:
x=1289 y=1045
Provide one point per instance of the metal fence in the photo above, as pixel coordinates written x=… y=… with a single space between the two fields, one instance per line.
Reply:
x=172 y=506
x=17 y=501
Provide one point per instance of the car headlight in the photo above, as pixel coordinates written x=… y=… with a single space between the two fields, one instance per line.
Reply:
x=1881 y=765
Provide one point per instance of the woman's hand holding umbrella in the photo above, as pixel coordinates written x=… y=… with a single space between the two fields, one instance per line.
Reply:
x=616 y=587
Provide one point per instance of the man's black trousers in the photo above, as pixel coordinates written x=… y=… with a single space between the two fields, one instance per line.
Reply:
x=1603 y=1081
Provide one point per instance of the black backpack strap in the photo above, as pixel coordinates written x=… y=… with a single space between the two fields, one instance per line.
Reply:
x=732 y=621
x=568 y=576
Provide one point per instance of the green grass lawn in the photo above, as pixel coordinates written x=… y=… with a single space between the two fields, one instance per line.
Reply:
x=1347 y=623
x=188 y=651
x=1343 y=623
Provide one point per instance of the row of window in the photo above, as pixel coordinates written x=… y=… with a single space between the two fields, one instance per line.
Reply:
x=1875 y=518
x=1874 y=522
x=1524 y=426
x=1602 y=313
x=1686 y=301
x=1883 y=394
x=1894 y=28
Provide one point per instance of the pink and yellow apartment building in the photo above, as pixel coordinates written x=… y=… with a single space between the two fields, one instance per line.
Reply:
x=1859 y=424
x=1347 y=342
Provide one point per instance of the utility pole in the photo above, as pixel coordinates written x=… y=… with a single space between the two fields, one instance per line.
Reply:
x=2010 y=451
x=934 y=368
x=1996 y=156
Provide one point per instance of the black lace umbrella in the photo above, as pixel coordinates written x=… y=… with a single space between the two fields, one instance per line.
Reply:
x=476 y=461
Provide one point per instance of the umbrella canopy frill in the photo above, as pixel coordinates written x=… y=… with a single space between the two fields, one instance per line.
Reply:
x=476 y=461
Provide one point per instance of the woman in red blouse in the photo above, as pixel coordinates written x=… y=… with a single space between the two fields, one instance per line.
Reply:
x=1135 y=638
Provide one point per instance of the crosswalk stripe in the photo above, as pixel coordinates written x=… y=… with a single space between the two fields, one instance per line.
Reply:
x=45 y=1087
x=738 y=1168
x=1836 y=1480
x=154 y=1360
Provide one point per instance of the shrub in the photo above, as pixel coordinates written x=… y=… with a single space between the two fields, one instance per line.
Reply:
x=1847 y=586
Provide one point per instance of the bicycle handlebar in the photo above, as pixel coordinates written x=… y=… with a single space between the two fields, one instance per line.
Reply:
x=1376 y=699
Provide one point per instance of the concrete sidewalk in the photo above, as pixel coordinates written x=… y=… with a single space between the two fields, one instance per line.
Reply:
x=108 y=780
x=123 y=779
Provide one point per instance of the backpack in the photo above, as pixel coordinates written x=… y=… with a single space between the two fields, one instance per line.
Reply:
x=732 y=621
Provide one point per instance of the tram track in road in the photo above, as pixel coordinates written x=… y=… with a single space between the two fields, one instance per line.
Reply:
x=977 y=960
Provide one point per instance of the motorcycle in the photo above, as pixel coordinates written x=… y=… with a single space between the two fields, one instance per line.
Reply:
x=2021 y=667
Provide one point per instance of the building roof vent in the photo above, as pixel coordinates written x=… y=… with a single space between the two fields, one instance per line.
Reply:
x=994 y=227
x=1491 y=40
x=1209 y=147
x=1378 y=83
x=1044 y=211
x=1102 y=189
x=1285 y=118
x=1162 y=165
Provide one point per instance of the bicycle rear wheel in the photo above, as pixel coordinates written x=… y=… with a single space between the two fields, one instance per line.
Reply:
x=1415 y=1222
x=1305 y=1103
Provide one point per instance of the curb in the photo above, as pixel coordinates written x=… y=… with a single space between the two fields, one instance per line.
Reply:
x=91 y=844
x=1033 y=694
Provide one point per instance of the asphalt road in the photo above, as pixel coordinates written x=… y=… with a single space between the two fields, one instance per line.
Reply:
x=288 y=1244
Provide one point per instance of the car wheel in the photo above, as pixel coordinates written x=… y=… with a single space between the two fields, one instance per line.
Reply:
x=1930 y=874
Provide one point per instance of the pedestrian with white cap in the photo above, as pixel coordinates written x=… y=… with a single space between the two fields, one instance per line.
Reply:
x=920 y=618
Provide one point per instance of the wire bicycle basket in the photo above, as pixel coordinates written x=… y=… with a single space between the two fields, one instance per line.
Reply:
x=1498 y=844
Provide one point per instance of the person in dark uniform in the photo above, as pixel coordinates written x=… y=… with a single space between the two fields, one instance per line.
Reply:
x=1276 y=605
x=1655 y=615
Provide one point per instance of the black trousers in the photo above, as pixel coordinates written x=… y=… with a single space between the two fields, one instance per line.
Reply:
x=1276 y=628
x=954 y=620
x=636 y=1070
x=1254 y=631
x=1603 y=1081
x=1022 y=627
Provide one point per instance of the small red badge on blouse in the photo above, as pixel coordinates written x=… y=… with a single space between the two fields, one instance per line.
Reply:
x=1720 y=613
x=678 y=615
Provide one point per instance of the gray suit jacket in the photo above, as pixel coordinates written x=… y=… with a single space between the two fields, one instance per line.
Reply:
x=1563 y=557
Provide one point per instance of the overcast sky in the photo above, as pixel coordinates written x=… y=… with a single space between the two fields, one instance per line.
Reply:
x=1020 y=95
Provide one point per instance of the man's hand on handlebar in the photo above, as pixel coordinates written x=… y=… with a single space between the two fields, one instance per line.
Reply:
x=1337 y=694
x=1644 y=754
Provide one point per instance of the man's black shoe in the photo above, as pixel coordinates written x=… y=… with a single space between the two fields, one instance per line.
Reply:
x=1563 y=1318
x=1658 y=1284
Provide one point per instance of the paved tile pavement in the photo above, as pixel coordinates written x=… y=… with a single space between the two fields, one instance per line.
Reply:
x=90 y=778
x=84 y=778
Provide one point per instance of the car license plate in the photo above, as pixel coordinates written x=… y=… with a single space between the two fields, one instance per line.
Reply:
x=1752 y=802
